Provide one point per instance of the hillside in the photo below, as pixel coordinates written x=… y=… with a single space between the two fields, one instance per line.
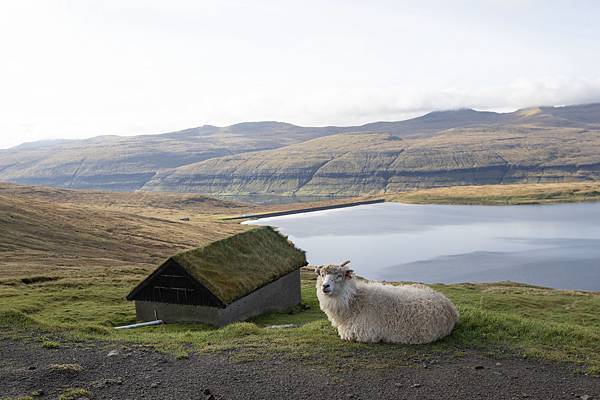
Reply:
x=439 y=148
x=126 y=163
x=48 y=232
x=371 y=163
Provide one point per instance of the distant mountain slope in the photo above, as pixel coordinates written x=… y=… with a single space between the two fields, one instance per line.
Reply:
x=157 y=162
x=433 y=122
x=126 y=163
x=369 y=163
x=586 y=113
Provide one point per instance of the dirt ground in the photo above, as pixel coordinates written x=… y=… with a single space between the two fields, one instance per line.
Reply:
x=110 y=372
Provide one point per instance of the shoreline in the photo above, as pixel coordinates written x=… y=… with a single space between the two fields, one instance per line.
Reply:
x=304 y=210
x=482 y=195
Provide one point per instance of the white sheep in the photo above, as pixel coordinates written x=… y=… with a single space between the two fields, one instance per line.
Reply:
x=373 y=312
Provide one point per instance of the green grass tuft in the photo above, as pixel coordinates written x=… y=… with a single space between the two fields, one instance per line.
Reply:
x=75 y=393
x=17 y=398
x=50 y=344
x=69 y=368
x=16 y=319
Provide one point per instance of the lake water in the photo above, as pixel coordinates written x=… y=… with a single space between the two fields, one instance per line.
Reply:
x=551 y=245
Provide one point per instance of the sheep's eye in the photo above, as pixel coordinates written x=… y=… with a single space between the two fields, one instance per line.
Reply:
x=339 y=276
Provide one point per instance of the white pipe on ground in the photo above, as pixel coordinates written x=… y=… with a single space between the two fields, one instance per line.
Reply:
x=141 y=324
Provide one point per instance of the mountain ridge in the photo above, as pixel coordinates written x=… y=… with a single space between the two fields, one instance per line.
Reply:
x=373 y=163
x=436 y=114
x=126 y=163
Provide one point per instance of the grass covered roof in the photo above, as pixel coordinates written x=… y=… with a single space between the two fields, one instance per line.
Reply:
x=238 y=265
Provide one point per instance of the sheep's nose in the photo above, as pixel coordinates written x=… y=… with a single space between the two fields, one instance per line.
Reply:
x=326 y=286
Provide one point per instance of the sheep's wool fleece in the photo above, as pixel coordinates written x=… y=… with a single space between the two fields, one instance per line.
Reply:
x=374 y=312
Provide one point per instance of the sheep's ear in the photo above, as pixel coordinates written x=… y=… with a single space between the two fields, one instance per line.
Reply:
x=348 y=274
x=345 y=263
x=318 y=269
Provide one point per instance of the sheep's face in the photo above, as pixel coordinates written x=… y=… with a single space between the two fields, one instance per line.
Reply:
x=332 y=278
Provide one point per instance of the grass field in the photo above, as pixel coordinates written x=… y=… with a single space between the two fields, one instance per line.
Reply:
x=67 y=265
x=499 y=318
x=543 y=193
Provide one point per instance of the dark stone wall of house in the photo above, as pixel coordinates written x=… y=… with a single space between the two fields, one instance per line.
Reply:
x=281 y=295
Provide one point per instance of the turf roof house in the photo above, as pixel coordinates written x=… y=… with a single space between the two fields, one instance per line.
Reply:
x=229 y=280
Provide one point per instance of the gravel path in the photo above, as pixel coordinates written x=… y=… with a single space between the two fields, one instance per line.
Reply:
x=141 y=373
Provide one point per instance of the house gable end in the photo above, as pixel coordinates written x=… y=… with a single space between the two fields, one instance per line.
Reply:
x=171 y=283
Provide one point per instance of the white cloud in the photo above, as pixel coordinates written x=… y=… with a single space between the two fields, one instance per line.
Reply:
x=83 y=68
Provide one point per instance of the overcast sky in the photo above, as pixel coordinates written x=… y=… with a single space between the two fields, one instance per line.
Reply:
x=74 y=69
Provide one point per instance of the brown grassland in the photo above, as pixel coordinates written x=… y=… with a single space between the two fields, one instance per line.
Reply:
x=541 y=193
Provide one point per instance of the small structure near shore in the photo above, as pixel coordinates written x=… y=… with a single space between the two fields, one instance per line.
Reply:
x=229 y=280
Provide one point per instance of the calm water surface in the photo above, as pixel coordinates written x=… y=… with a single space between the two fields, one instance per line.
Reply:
x=552 y=245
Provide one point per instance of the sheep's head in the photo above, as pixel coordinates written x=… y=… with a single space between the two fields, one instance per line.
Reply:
x=332 y=278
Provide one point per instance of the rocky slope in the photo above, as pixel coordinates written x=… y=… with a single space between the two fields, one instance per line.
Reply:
x=440 y=148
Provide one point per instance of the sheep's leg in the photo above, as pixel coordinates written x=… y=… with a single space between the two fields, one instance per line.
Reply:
x=346 y=334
